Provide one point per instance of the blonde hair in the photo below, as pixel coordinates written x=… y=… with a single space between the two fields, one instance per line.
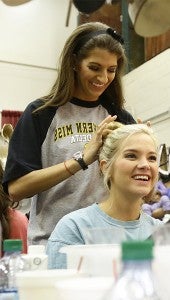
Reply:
x=113 y=141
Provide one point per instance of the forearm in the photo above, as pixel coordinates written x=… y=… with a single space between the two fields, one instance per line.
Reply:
x=41 y=180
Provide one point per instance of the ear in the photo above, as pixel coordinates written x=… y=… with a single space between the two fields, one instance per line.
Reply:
x=103 y=164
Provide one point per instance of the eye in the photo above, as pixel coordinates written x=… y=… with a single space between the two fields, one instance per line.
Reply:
x=112 y=70
x=130 y=155
x=94 y=68
x=153 y=158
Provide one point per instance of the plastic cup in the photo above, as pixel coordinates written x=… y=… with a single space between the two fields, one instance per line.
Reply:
x=83 y=288
x=40 y=284
x=94 y=260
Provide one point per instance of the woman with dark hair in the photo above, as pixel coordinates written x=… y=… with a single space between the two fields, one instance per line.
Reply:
x=47 y=156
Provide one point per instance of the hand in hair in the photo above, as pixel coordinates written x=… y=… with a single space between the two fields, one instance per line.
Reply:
x=91 y=149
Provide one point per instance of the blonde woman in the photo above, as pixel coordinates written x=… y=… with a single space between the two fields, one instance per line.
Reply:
x=128 y=161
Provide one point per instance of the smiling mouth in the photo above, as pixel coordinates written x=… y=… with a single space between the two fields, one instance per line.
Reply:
x=98 y=85
x=141 y=177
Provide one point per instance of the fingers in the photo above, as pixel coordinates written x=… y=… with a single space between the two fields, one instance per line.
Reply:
x=106 y=132
x=139 y=121
x=103 y=131
x=108 y=119
x=100 y=128
x=92 y=147
x=148 y=123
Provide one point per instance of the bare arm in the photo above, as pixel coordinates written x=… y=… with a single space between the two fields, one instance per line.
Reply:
x=41 y=180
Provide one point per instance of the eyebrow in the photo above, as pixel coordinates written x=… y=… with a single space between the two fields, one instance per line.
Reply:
x=134 y=150
x=92 y=62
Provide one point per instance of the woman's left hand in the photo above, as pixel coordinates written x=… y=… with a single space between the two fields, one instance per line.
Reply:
x=139 y=121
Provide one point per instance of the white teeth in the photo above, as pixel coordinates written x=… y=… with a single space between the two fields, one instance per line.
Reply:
x=98 y=85
x=141 y=177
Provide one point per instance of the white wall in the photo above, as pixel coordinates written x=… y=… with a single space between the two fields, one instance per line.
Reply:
x=32 y=36
x=147 y=92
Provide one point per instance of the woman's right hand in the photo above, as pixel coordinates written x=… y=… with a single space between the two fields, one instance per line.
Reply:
x=91 y=149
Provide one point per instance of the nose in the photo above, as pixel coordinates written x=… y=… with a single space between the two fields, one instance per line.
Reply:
x=143 y=164
x=103 y=77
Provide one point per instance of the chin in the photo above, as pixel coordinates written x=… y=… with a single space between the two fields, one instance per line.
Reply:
x=143 y=193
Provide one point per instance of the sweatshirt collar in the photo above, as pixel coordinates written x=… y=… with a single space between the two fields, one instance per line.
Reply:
x=85 y=103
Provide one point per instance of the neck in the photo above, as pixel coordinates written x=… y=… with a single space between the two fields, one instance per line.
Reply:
x=85 y=98
x=122 y=209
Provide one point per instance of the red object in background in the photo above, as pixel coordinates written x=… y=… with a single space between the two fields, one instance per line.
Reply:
x=10 y=117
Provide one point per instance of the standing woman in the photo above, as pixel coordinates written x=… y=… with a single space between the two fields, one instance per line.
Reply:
x=47 y=156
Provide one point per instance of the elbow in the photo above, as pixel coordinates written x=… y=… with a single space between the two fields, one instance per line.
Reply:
x=14 y=197
x=13 y=192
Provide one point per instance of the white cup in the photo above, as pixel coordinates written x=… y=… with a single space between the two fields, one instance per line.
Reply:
x=83 y=288
x=40 y=284
x=94 y=260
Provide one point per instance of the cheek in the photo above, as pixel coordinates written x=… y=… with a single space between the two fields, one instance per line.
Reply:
x=120 y=170
x=155 y=173
x=111 y=77
x=124 y=166
x=84 y=76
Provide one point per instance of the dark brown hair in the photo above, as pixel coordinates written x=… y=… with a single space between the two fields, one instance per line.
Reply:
x=63 y=88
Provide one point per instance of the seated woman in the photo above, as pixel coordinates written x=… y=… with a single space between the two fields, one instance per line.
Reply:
x=13 y=222
x=128 y=162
